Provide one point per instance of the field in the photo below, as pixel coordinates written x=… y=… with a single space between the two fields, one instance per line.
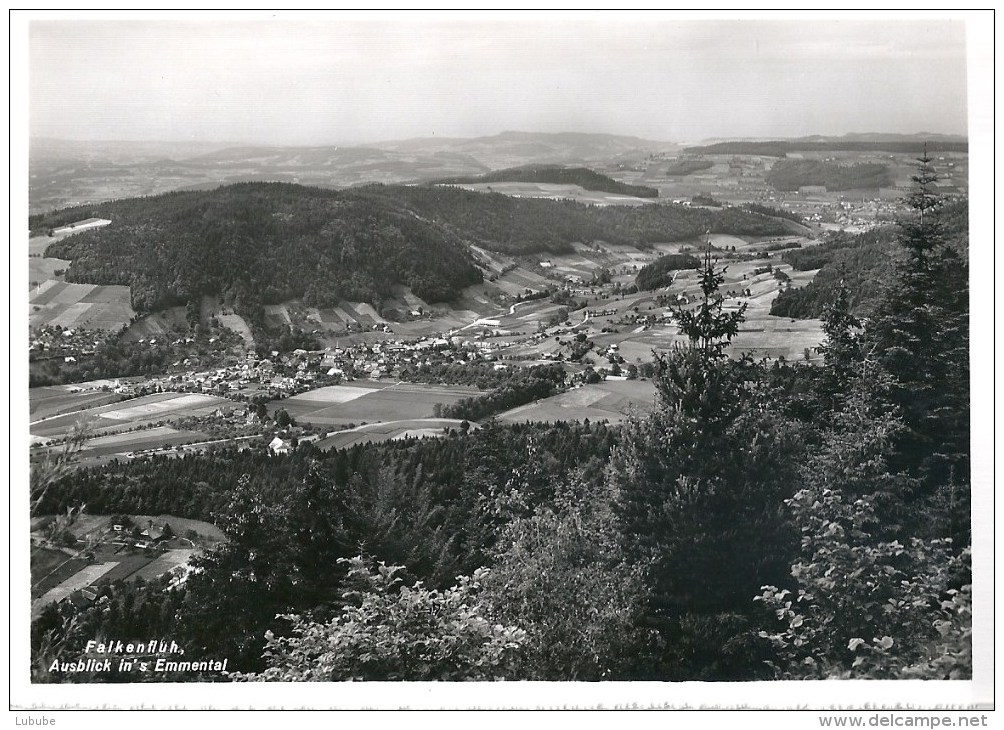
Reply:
x=128 y=414
x=53 y=301
x=166 y=562
x=556 y=191
x=40 y=270
x=210 y=307
x=389 y=431
x=49 y=568
x=57 y=399
x=82 y=578
x=611 y=400
x=368 y=402
x=333 y=325
x=80 y=305
x=170 y=321
x=158 y=437
x=518 y=280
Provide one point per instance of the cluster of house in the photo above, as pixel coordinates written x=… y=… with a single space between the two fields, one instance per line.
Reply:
x=284 y=375
x=248 y=377
x=51 y=342
x=389 y=359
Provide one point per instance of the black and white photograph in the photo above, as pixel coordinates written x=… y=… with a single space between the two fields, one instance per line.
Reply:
x=536 y=360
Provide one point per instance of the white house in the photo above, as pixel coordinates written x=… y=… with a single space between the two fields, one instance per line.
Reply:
x=279 y=446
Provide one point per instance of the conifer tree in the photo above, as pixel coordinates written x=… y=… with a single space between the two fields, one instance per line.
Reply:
x=920 y=336
x=841 y=350
x=699 y=487
x=708 y=327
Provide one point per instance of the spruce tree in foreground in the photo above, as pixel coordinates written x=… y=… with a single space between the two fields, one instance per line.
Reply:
x=920 y=336
x=882 y=587
x=699 y=488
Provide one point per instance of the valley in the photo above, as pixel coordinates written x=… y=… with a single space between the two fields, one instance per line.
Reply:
x=273 y=325
x=576 y=305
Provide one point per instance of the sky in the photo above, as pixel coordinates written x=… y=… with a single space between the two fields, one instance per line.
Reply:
x=342 y=79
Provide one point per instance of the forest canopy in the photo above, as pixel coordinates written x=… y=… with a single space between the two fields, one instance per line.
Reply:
x=263 y=243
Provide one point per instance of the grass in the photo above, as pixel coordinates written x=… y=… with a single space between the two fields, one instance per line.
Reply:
x=80 y=305
x=131 y=413
x=43 y=582
x=56 y=400
x=612 y=401
x=392 y=402
x=378 y=432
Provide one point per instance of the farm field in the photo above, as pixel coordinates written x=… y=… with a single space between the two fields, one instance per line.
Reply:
x=332 y=324
x=82 y=578
x=368 y=402
x=130 y=413
x=166 y=562
x=556 y=191
x=54 y=400
x=43 y=582
x=149 y=438
x=50 y=567
x=80 y=305
x=389 y=431
x=611 y=400
x=40 y=270
x=520 y=279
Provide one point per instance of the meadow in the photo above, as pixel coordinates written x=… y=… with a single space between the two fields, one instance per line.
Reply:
x=132 y=413
x=79 y=305
x=611 y=401
x=369 y=401
x=388 y=431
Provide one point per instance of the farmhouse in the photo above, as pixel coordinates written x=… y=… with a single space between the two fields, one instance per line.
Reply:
x=280 y=446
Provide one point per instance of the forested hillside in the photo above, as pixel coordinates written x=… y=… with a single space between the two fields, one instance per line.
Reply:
x=558 y=175
x=260 y=243
x=660 y=272
x=792 y=174
x=687 y=165
x=862 y=261
x=264 y=243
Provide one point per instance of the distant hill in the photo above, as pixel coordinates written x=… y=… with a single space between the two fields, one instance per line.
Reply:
x=897 y=143
x=558 y=175
x=258 y=243
x=261 y=243
x=513 y=149
x=67 y=173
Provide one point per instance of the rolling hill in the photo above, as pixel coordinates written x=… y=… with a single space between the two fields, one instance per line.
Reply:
x=263 y=243
x=558 y=175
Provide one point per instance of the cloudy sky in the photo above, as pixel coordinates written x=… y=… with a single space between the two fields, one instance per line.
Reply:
x=348 y=79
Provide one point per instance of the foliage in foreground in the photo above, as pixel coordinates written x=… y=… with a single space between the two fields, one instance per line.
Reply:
x=389 y=631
